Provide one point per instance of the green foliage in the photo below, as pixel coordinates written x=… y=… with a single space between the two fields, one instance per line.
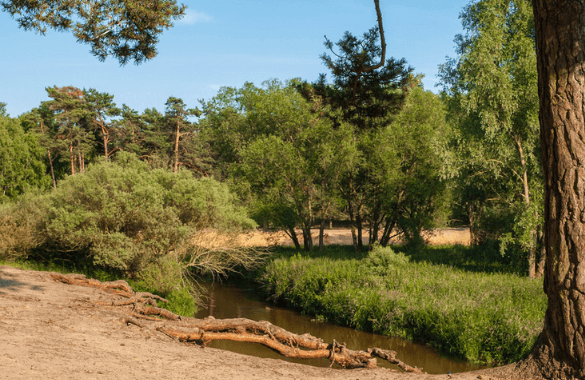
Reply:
x=491 y=89
x=480 y=317
x=480 y=259
x=21 y=224
x=21 y=160
x=399 y=132
x=78 y=127
x=181 y=302
x=287 y=155
x=409 y=163
x=65 y=122
x=365 y=97
x=127 y=30
x=126 y=216
x=176 y=120
x=101 y=108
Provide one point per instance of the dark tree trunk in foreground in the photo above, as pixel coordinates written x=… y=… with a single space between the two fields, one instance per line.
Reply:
x=293 y=235
x=560 y=35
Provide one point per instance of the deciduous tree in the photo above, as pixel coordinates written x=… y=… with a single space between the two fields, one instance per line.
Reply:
x=21 y=162
x=282 y=153
x=366 y=90
x=492 y=88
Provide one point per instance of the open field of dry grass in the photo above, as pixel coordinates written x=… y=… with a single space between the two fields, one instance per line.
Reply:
x=342 y=236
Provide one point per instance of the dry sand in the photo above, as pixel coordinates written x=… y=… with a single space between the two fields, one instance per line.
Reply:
x=52 y=330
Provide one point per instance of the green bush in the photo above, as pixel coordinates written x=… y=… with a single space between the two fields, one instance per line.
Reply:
x=21 y=224
x=480 y=317
x=125 y=216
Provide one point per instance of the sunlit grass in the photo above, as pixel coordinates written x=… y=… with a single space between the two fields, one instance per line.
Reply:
x=481 y=315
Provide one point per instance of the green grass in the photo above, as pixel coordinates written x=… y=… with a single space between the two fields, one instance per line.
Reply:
x=479 y=259
x=474 y=310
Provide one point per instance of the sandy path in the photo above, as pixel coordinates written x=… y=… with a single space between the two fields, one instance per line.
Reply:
x=50 y=330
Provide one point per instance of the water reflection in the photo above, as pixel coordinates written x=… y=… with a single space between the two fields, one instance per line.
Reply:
x=229 y=301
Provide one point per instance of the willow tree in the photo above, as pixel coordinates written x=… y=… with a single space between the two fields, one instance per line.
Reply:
x=494 y=102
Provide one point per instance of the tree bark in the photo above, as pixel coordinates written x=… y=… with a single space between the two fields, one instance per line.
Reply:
x=293 y=236
x=106 y=139
x=51 y=167
x=321 y=234
x=560 y=38
x=177 y=136
x=307 y=238
x=72 y=158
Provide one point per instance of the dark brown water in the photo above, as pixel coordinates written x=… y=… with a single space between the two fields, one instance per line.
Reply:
x=229 y=301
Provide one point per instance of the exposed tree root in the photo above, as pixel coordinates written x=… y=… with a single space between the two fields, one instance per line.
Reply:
x=203 y=331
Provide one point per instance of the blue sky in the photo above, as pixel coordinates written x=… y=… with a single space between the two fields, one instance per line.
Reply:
x=224 y=43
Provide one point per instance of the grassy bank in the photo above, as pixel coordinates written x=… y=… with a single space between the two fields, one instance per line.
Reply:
x=474 y=310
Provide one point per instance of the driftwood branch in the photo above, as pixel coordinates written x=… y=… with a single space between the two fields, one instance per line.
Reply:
x=204 y=331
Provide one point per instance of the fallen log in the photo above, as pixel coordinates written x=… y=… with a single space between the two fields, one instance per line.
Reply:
x=204 y=331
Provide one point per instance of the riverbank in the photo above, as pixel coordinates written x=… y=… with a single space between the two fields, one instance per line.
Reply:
x=52 y=330
x=477 y=312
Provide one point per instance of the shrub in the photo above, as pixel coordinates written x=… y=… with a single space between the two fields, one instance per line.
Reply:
x=126 y=217
x=20 y=226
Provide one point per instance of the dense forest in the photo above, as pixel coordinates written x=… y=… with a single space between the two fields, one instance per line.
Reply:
x=365 y=144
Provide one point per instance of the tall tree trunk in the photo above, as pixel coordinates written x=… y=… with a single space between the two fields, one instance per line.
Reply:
x=72 y=158
x=106 y=138
x=374 y=229
x=293 y=236
x=359 y=228
x=321 y=233
x=307 y=238
x=541 y=262
x=176 y=166
x=560 y=40
x=526 y=189
x=51 y=167
x=81 y=159
x=388 y=227
x=352 y=224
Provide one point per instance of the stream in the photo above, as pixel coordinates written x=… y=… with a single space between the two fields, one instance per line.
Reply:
x=229 y=301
